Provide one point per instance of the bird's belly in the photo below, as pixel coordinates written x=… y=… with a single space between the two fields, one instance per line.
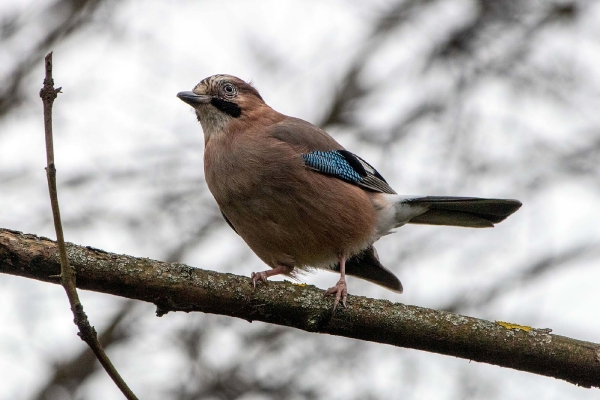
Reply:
x=304 y=222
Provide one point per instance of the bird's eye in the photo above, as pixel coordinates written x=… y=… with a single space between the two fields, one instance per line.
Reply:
x=229 y=89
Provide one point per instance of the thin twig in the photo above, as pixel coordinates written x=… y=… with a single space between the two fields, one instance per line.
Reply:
x=86 y=332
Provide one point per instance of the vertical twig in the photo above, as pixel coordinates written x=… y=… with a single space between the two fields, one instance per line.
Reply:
x=86 y=332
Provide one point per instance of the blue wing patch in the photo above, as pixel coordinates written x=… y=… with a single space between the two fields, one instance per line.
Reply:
x=332 y=163
x=346 y=166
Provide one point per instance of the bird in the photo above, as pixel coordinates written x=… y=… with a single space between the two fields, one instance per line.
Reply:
x=300 y=200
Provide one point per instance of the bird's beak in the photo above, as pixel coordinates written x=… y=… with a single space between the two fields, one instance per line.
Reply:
x=194 y=99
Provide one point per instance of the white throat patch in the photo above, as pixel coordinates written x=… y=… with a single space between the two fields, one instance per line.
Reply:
x=213 y=121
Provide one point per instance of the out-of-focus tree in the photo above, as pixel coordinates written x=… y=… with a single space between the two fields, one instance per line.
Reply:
x=490 y=98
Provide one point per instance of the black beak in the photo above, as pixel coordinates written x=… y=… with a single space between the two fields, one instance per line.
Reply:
x=194 y=99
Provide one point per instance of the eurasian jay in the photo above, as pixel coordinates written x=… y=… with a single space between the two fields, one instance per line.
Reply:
x=299 y=199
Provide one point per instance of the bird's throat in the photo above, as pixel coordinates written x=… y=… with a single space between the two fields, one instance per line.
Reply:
x=213 y=121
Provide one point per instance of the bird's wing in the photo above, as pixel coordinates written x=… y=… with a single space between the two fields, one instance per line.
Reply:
x=303 y=136
x=323 y=154
x=349 y=167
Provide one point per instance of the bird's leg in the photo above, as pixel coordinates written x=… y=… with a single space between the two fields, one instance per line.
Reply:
x=263 y=275
x=340 y=289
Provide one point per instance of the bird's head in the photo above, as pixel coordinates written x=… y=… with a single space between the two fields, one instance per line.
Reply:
x=219 y=99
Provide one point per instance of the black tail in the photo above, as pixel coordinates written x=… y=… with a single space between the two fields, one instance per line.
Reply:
x=463 y=211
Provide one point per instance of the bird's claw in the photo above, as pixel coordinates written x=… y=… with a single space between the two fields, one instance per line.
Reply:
x=258 y=276
x=341 y=293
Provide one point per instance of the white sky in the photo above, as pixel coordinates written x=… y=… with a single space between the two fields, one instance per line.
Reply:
x=119 y=113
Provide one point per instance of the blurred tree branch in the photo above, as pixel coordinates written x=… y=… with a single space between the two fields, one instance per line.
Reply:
x=60 y=19
x=522 y=276
x=498 y=41
x=178 y=287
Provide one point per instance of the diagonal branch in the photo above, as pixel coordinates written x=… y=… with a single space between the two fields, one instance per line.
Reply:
x=68 y=277
x=70 y=374
x=178 y=287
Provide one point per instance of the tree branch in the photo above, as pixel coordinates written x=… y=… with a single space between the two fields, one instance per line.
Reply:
x=178 y=287
x=68 y=278
x=70 y=374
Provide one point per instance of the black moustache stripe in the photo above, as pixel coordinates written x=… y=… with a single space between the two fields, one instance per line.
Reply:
x=227 y=107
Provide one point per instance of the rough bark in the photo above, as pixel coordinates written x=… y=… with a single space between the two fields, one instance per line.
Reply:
x=179 y=287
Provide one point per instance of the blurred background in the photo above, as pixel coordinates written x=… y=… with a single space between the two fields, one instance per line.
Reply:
x=491 y=98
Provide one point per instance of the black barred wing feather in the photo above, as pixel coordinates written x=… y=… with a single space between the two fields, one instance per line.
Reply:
x=349 y=167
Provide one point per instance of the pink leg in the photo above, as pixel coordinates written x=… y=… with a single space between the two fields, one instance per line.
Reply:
x=340 y=289
x=263 y=275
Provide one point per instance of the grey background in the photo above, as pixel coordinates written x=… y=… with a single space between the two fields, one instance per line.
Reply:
x=473 y=98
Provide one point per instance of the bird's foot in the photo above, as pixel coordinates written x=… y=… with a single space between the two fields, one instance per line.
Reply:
x=259 y=277
x=263 y=275
x=341 y=293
